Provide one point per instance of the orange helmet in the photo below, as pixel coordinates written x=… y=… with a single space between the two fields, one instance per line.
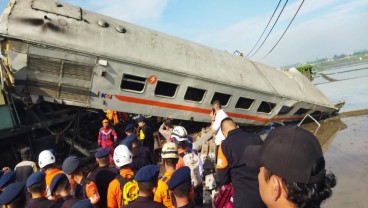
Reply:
x=105 y=121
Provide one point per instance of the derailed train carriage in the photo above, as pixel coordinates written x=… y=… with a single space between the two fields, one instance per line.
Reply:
x=63 y=54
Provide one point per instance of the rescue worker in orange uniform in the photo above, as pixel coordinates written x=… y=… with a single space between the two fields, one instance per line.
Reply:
x=122 y=160
x=46 y=161
x=106 y=137
x=87 y=189
x=169 y=155
x=112 y=116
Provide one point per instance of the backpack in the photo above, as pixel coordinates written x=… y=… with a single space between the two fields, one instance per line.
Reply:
x=192 y=161
x=129 y=189
x=224 y=198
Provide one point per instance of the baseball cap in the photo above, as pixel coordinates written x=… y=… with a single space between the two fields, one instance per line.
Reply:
x=11 y=193
x=140 y=119
x=148 y=173
x=179 y=177
x=102 y=152
x=70 y=164
x=35 y=178
x=290 y=152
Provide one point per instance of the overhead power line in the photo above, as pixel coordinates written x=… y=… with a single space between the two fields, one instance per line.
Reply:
x=285 y=29
x=264 y=29
x=271 y=29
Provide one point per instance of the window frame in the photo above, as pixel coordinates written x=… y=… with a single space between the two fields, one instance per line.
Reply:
x=203 y=97
x=251 y=105
x=263 y=101
x=165 y=96
x=129 y=90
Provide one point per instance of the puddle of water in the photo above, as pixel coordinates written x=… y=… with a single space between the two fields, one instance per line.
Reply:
x=347 y=158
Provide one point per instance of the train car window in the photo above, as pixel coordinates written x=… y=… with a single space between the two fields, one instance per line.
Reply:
x=285 y=110
x=244 y=103
x=317 y=114
x=133 y=83
x=301 y=111
x=266 y=107
x=165 y=89
x=222 y=97
x=194 y=94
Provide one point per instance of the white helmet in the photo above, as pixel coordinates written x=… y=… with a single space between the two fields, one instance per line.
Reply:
x=179 y=134
x=122 y=156
x=45 y=158
x=169 y=150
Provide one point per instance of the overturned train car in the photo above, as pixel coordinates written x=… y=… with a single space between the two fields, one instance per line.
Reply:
x=60 y=53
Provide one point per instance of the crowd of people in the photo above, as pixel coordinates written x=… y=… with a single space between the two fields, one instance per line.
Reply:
x=287 y=169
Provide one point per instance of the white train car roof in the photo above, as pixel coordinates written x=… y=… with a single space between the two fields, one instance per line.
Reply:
x=72 y=28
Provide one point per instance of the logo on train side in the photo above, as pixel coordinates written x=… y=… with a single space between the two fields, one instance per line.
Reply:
x=104 y=95
x=152 y=79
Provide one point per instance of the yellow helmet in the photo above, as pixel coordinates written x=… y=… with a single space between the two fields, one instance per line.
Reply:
x=105 y=121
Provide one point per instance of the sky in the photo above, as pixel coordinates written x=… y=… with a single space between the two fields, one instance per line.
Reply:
x=321 y=29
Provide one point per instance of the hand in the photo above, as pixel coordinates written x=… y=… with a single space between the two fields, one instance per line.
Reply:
x=212 y=116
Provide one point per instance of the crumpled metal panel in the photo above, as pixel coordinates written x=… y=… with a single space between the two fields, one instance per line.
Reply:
x=58 y=8
x=59 y=79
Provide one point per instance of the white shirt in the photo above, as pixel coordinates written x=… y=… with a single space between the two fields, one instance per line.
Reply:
x=220 y=115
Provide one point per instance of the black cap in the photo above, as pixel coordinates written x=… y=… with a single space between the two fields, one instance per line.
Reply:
x=56 y=180
x=288 y=152
x=10 y=193
x=179 y=177
x=102 y=152
x=129 y=127
x=7 y=178
x=35 y=178
x=70 y=164
x=148 y=173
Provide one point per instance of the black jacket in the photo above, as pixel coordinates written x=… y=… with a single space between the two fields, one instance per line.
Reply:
x=144 y=202
x=231 y=168
x=102 y=176
x=65 y=202
x=40 y=202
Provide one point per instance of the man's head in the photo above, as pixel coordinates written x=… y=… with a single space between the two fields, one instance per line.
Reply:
x=168 y=123
x=169 y=154
x=292 y=168
x=25 y=153
x=122 y=156
x=180 y=136
x=105 y=123
x=102 y=156
x=13 y=196
x=71 y=165
x=8 y=178
x=147 y=178
x=46 y=159
x=129 y=129
x=141 y=121
x=36 y=183
x=216 y=105
x=60 y=185
x=227 y=125
x=181 y=183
